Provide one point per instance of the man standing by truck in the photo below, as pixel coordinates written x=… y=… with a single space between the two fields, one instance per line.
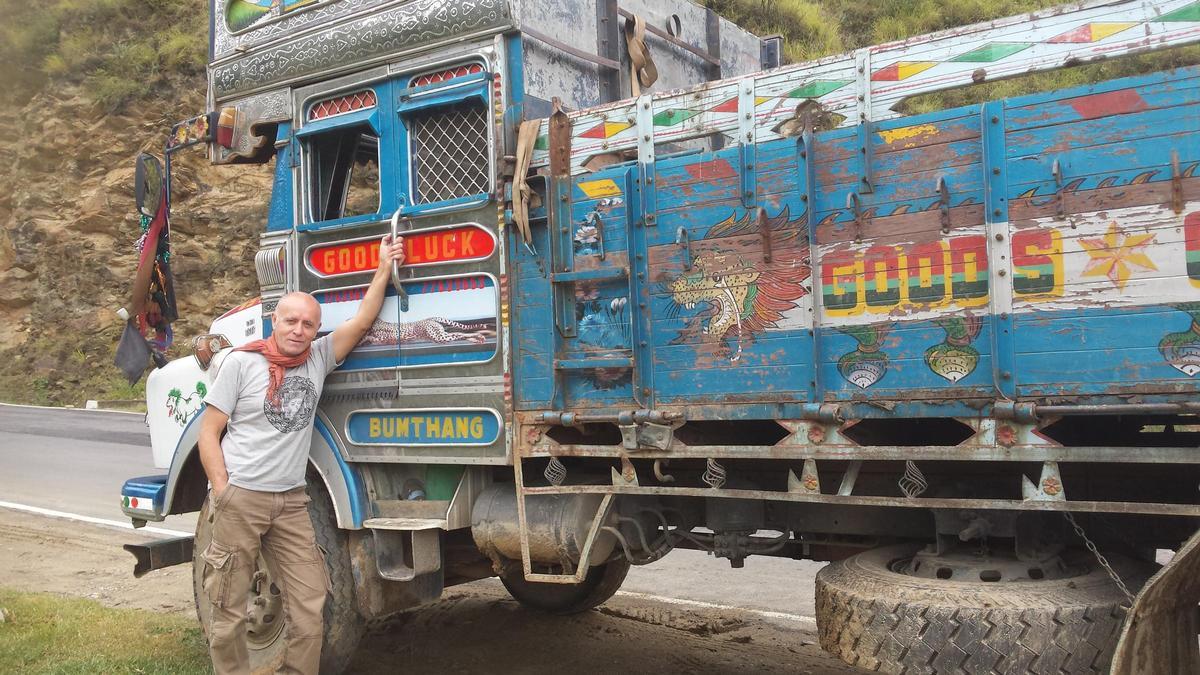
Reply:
x=266 y=394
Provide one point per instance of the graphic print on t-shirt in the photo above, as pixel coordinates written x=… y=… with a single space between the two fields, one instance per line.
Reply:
x=297 y=400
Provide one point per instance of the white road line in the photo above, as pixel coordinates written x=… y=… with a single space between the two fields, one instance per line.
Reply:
x=806 y=620
x=59 y=407
x=119 y=524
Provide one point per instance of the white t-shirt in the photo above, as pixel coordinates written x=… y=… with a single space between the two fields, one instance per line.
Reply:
x=266 y=446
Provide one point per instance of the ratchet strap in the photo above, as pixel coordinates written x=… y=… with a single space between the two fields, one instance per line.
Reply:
x=642 y=71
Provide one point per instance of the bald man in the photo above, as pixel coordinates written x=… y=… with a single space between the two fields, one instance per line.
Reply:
x=266 y=395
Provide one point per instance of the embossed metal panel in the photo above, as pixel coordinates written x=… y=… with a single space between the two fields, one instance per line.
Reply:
x=351 y=40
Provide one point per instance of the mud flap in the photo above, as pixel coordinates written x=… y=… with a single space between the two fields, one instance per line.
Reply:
x=1159 y=635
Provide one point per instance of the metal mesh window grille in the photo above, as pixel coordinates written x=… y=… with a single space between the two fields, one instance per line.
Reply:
x=449 y=151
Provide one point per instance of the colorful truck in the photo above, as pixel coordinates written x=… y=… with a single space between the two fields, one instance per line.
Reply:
x=662 y=292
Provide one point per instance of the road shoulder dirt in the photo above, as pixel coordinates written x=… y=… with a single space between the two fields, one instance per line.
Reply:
x=474 y=628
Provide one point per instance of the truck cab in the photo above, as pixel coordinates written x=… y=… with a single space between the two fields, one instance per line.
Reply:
x=401 y=118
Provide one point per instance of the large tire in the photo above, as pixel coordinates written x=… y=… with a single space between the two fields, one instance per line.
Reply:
x=880 y=620
x=602 y=582
x=343 y=625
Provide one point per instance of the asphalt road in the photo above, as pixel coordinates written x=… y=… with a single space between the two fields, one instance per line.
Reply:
x=75 y=461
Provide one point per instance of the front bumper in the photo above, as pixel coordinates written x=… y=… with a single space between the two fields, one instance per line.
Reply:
x=142 y=499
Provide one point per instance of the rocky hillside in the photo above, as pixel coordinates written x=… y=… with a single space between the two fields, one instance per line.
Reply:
x=67 y=232
x=87 y=84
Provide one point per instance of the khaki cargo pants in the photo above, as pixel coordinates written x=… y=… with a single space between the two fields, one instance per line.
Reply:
x=242 y=521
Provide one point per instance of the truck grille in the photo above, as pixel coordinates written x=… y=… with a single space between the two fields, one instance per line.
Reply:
x=449 y=151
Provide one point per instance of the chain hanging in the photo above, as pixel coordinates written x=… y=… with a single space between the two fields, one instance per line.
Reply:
x=1091 y=546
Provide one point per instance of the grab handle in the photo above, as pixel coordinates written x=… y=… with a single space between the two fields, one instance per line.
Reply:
x=400 y=292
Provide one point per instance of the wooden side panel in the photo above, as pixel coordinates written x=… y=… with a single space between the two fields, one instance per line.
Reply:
x=731 y=281
x=773 y=276
x=1102 y=196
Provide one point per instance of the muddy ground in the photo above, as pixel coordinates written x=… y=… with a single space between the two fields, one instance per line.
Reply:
x=475 y=628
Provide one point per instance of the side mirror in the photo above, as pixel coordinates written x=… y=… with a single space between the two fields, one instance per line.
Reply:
x=149 y=179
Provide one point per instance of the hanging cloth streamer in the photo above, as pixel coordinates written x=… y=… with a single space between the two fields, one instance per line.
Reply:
x=527 y=135
x=642 y=71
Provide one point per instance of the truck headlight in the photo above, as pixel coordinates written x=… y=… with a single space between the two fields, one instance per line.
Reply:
x=204 y=347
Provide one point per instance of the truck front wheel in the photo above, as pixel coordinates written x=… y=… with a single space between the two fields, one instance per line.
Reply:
x=601 y=583
x=266 y=624
x=873 y=615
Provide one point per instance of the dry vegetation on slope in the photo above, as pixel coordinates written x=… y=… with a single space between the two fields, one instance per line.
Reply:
x=86 y=84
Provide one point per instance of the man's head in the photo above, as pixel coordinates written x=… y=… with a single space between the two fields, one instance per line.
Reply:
x=295 y=322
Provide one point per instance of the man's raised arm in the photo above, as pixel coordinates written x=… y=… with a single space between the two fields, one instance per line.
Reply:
x=347 y=335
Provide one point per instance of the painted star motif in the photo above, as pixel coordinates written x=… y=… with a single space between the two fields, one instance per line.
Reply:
x=1116 y=254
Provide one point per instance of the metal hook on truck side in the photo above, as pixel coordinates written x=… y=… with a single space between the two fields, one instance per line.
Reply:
x=403 y=295
x=682 y=239
x=1060 y=207
x=594 y=219
x=944 y=203
x=853 y=203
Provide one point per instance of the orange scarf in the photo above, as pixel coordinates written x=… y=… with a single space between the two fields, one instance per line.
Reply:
x=277 y=363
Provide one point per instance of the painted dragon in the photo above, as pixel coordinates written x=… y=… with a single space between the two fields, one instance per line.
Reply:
x=742 y=298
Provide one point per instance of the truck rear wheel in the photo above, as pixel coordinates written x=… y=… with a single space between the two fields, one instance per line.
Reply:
x=266 y=626
x=602 y=582
x=879 y=619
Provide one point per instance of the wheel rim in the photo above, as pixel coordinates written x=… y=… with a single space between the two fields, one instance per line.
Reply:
x=965 y=565
x=264 y=608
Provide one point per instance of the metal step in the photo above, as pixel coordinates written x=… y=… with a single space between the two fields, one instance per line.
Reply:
x=405 y=524
x=598 y=274
x=586 y=364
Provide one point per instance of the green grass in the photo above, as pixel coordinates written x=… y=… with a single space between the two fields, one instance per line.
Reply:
x=68 y=373
x=45 y=633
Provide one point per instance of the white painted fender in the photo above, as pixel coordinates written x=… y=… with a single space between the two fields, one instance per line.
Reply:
x=174 y=395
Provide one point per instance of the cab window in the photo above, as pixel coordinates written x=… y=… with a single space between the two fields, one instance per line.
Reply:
x=344 y=166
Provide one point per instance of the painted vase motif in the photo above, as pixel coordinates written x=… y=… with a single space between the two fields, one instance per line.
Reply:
x=954 y=358
x=866 y=365
x=1182 y=349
